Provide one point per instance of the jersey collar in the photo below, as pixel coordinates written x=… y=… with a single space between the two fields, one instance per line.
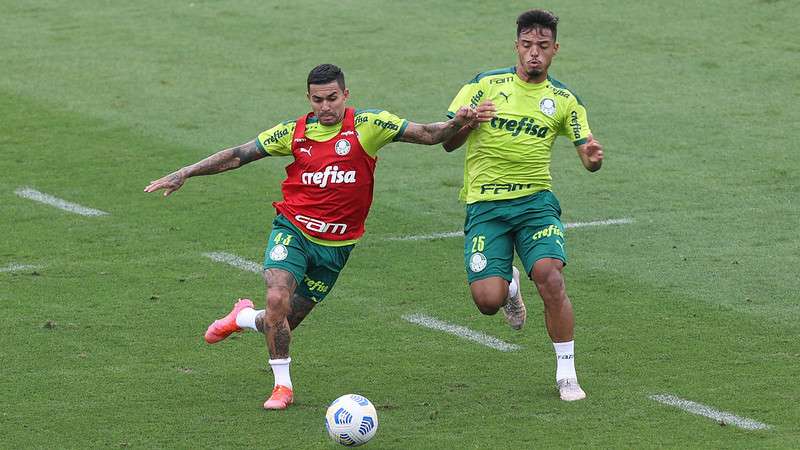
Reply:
x=530 y=86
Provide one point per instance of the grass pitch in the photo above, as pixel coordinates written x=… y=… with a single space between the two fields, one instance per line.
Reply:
x=697 y=298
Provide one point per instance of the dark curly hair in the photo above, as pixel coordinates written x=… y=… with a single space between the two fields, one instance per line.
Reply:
x=324 y=74
x=537 y=19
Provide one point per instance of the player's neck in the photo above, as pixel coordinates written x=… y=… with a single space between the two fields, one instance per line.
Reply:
x=524 y=76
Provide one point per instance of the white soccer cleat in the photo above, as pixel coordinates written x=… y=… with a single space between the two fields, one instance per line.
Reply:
x=570 y=390
x=514 y=309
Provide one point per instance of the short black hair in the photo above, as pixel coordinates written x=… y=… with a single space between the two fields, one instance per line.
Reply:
x=324 y=74
x=537 y=19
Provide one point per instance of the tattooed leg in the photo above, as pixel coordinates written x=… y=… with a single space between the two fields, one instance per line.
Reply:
x=299 y=308
x=275 y=324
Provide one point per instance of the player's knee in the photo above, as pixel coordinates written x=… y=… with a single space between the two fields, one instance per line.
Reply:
x=547 y=273
x=487 y=308
x=550 y=283
x=489 y=298
x=277 y=304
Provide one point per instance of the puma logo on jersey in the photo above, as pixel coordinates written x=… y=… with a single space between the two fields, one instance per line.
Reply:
x=505 y=96
x=306 y=150
x=331 y=175
x=348 y=133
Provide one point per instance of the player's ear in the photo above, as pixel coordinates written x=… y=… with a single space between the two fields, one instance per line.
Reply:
x=346 y=94
x=555 y=48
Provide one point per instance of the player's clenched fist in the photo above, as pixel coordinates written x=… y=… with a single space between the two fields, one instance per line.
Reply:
x=464 y=116
x=594 y=150
x=485 y=112
x=591 y=153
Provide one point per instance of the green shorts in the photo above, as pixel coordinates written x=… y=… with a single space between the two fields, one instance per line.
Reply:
x=315 y=267
x=494 y=229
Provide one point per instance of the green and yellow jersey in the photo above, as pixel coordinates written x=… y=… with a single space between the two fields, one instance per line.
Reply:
x=509 y=156
x=375 y=129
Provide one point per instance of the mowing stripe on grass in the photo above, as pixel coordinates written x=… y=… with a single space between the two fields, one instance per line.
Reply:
x=463 y=332
x=235 y=261
x=711 y=413
x=41 y=197
x=17 y=267
x=449 y=234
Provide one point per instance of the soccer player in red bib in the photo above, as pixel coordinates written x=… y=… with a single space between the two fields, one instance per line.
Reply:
x=327 y=194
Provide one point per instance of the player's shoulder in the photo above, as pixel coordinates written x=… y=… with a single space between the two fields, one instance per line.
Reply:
x=376 y=117
x=369 y=113
x=277 y=132
x=562 y=90
x=493 y=75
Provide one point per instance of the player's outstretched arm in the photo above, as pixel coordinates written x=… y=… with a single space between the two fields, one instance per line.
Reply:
x=437 y=132
x=591 y=154
x=484 y=112
x=230 y=158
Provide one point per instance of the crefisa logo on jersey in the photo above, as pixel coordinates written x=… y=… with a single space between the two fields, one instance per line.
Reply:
x=548 y=106
x=342 y=147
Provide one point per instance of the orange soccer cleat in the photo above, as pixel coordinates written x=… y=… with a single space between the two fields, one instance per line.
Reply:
x=223 y=327
x=281 y=398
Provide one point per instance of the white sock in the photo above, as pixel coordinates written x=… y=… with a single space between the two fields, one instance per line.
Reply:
x=247 y=318
x=280 y=368
x=513 y=288
x=565 y=360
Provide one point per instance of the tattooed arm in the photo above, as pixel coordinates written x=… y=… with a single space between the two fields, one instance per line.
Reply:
x=230 y=158
x=438 y=132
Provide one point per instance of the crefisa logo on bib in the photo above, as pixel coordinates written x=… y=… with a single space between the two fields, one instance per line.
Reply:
x=342 y=147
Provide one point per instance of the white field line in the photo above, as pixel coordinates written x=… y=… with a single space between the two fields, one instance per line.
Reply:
x=449 y=234
x=41 y=197
x=426 y=237
x=463 y=332
x=711 y=413
x=17 y=267
x=235 y=261
x=598 y=223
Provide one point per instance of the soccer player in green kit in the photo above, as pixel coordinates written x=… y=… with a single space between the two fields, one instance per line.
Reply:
x=507 y=186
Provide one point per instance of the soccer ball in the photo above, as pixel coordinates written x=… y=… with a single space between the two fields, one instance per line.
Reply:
x=351 y=420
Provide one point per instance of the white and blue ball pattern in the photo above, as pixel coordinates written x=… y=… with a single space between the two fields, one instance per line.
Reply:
x=351 y=420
